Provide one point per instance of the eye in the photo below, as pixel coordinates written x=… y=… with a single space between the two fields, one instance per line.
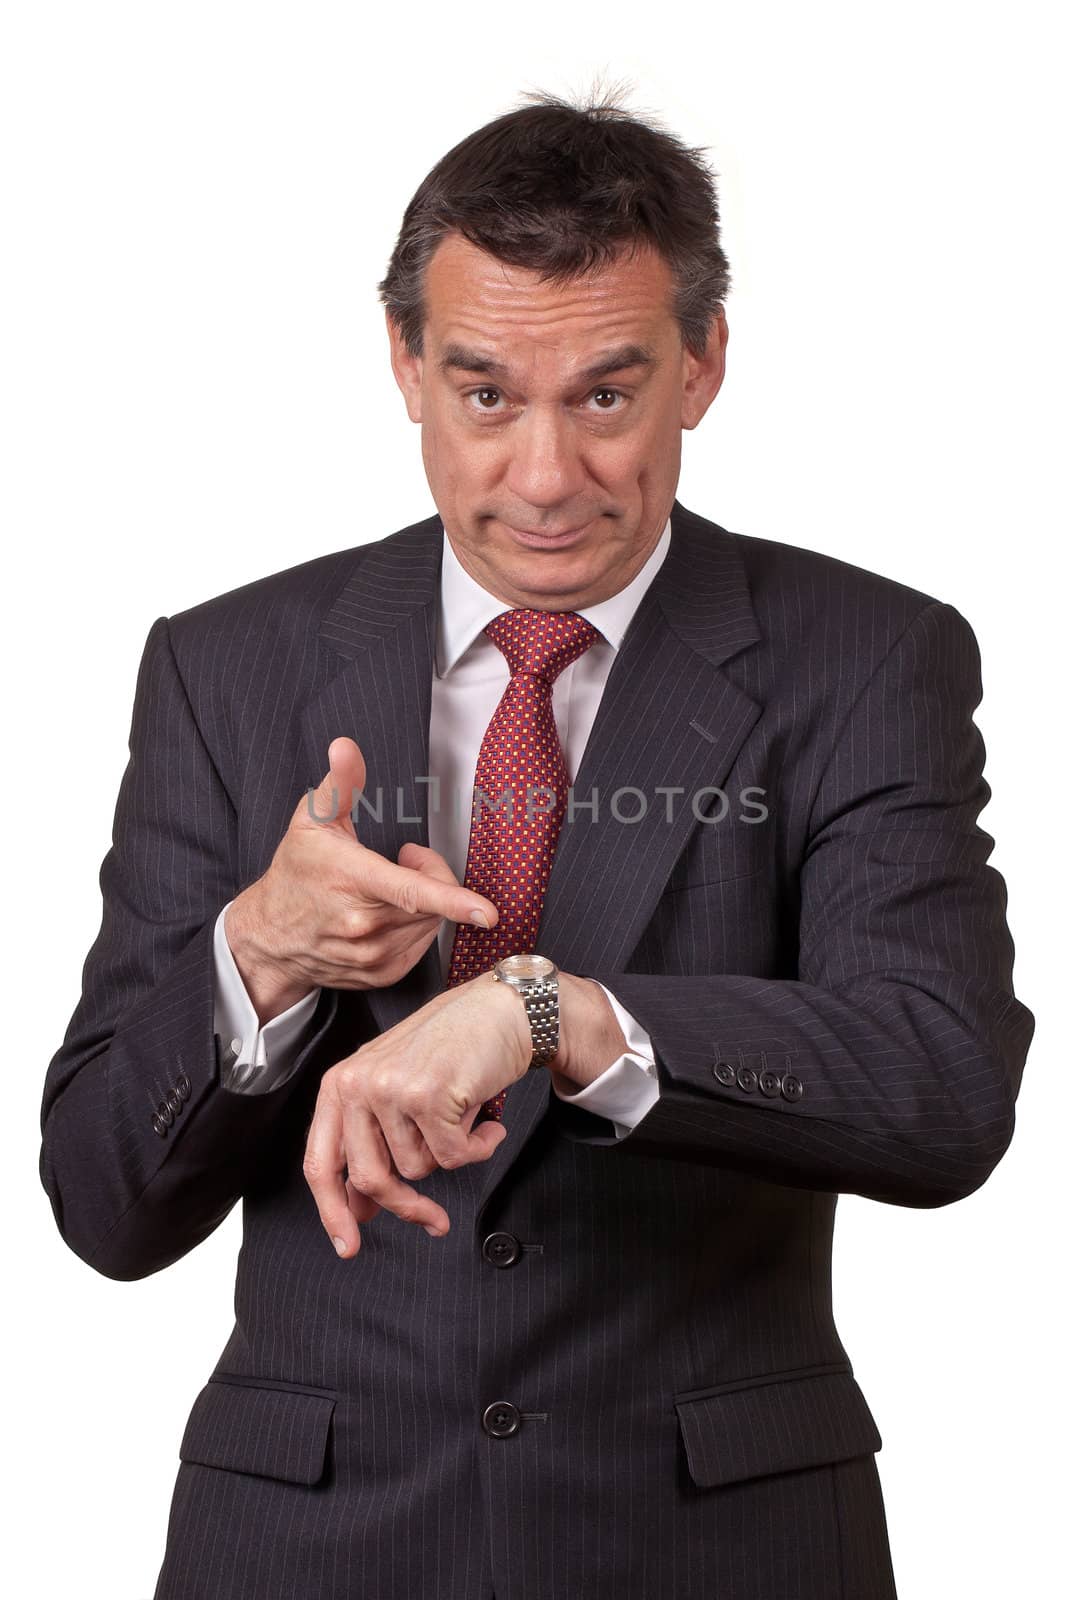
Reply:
x=476 y=396
x=477 y=393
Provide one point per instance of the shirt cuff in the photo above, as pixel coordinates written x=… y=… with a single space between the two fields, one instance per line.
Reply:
x=627 y=1090
x=256 y=1058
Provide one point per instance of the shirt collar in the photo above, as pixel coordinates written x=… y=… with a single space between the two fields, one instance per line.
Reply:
x=465 y=607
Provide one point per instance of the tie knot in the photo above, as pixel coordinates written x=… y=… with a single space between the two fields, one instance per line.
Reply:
x=541 y=643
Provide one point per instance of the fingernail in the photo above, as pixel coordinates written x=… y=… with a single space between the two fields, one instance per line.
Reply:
x=339 y=1245
x=480 y=918
x=435 y=1233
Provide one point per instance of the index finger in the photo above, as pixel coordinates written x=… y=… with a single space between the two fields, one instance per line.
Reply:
x=416 y=892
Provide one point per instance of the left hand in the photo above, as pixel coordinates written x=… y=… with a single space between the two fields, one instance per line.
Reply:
x=403 y=1104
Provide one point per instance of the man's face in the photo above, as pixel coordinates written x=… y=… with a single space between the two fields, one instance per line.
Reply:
x=519 y=437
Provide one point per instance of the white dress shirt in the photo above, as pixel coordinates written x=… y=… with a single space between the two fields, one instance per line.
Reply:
x=470 y=677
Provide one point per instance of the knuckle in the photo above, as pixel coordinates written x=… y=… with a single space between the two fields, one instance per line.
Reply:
x=372 y=952
x=347 y=1074
x=313 y=1167
x=360 y=924
x=384 y=1088
x=416 y=1167
x=408 y=895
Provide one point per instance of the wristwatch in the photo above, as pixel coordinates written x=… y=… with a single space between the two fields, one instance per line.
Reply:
x=536 y=979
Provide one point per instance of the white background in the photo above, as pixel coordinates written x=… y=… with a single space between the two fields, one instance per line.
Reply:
x=198 y=201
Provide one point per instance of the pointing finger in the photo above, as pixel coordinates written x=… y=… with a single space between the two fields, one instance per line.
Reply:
x=415 y=890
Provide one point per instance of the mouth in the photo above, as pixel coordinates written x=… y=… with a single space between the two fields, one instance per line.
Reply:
x=547 y=541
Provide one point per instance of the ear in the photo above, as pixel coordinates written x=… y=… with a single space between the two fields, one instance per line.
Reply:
x=407 y=370
x=702 y=377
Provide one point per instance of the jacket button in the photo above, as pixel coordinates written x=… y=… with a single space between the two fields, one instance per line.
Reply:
x=792 y=1088
x=770 y=1083
x=725 y=1073
x=501 y=1249
x=159 y=1125
x=501 y=1419
x=746 y=1079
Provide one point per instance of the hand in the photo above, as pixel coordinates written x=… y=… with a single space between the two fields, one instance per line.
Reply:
x=404 y=1103
x=328 y=912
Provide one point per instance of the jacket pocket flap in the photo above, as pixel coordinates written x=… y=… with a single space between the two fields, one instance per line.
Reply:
x=774 y=1425
x=272 y=1432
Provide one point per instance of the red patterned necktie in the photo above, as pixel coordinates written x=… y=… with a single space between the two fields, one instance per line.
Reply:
x=511 y=848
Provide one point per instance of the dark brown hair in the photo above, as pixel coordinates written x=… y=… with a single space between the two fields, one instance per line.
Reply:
x=562 y=189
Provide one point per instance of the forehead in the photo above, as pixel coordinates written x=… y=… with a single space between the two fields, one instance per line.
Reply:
x=470 y=296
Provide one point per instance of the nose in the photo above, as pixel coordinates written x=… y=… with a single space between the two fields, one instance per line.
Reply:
x=545 y=469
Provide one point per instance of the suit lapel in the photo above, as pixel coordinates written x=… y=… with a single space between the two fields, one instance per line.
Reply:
x=669 y=718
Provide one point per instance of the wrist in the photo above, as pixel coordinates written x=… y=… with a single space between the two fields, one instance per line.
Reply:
x=590 y=1038
x=510 y=1012
x=268 y=985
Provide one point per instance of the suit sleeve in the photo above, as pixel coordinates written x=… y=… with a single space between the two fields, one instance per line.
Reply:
x=890 y=1066
x=144 y=1149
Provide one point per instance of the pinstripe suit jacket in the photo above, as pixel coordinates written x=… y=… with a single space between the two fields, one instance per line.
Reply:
x=618 y=1374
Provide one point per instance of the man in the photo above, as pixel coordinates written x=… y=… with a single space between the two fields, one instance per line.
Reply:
x=534 y=1294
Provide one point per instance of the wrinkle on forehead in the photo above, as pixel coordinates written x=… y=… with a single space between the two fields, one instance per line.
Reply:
x=473 y=297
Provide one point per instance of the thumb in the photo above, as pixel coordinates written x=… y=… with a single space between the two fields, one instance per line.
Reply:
x=331 y=803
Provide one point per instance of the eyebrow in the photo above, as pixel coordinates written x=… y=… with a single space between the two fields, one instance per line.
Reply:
x=459 y=357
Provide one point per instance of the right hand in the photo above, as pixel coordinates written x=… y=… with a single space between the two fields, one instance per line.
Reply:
x=329 y=912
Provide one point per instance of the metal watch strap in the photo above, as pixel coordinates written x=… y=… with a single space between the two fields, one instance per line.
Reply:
x=541 y=999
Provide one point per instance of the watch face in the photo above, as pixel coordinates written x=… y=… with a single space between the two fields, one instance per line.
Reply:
x=528 y=966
